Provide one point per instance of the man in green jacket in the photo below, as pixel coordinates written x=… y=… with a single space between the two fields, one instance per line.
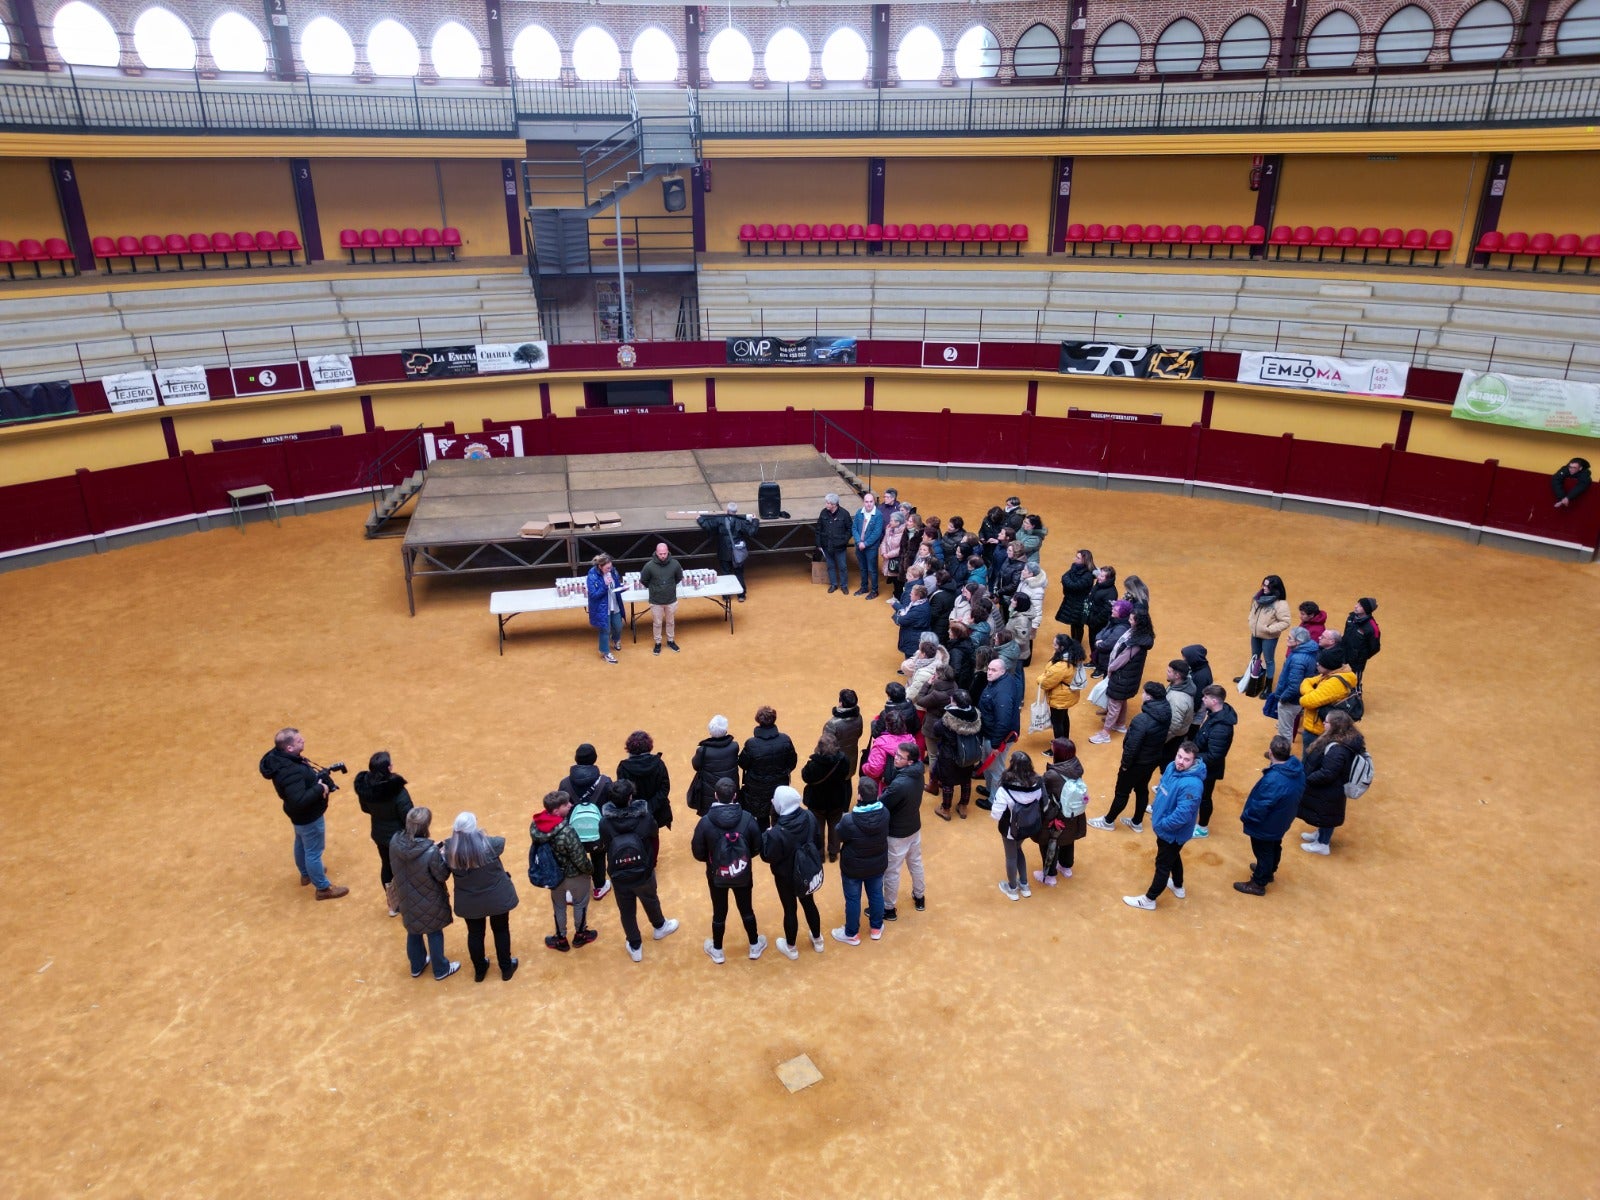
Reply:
x=661 y=577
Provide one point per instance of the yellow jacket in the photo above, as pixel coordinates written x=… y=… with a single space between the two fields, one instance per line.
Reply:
x=1318 y=690
x=1054 y=682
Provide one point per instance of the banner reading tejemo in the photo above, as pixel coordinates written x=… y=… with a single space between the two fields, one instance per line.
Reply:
x=130 y=390
x=183 y=385
x=330 y=371
x=1354 y=377
x=1524 y=402
x=1113 y=360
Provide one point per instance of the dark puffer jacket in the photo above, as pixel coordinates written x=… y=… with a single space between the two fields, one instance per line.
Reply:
x=295 y=781
x=652 y=783
x=714 y=758
x=768 y=760
x=383 y=798
x=1076 y=584
x=1147 y=733
x=1128 y=678
x=961 y=653
x=485 y=891
x=846 y=726
x=419 y=875
x=585 y=782
x=1215 y=739
x=864 y=832
x=788 y=834
x=635 y=818
x=721 y=820
x=827 y=780
x=1098 y=606
x=1199 y=668
x=1327 y=768
x=945 y=735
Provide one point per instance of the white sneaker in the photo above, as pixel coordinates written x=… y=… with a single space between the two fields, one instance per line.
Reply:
x=668 y=928
x=1025 y=889
x=1314 y=847
x=817 y=944
x=788 y=951
x=604 y=890
x=760 y=945
x=1137 y=827
x=1099 y=739
x=1047 y=880
x=713 y=953
x=636 y=952
x=1309 y=837
x=1009 y=892
x=839 y=935
x=1138 y=902
x=1176 y=890
x=1063 y=872
x=1100 y=823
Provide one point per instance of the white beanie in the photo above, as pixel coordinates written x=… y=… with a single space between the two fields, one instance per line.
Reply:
x=785 y=800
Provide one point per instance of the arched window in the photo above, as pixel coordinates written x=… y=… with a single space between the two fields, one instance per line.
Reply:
x=595 y=55
x=729 y=58
x=844 y=56
x=1334 y=41
x=1245 y=45
x=236 y=44
x=1038 y=53
x=1579 y=31
x=1180 y=48
x=326 y=49
x=5 y=42
x=1483 y=34
x=535 y=55
x=653 y=59
x=162 y=41
x=84 y=37
x=455 y=52
x=920 y=56
x=977 y=54
x=787 y=58
x=1117 y=50
x=392 y=51
x=1405 y=37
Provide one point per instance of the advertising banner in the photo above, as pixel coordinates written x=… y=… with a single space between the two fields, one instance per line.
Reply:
x=763 y=351
x=329 y=371
x=454 y=362
x=27 y=401
x=1355 y=377
x=183 y=385
x=130 y=390
x=1524 y=402
x=1112 y=360
x=473 y=447
x=954 y=355
x=277 y=377
x=520 y=356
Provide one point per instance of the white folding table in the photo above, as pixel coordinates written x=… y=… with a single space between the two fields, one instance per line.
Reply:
x=505 y=605
x=720 y=593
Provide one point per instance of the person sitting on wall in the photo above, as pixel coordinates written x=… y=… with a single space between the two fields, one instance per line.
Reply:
x=1570 y=482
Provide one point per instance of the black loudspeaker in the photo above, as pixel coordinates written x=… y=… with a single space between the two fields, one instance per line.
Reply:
x=673 y=197
x=769 y=502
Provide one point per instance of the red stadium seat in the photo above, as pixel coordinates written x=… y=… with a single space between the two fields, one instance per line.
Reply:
x=11 y=256
x=799 y=234
x=1171 y=237
x=889 y=236
x=1282 y=236
x=432 y=239
x=200 y=244
x=1345 y=239
x=1566 y=246
x=1094 y=234
x=350 y=242
x=1133 y=235
x=963 y=235
x=371 y=240
x=1367 y=241
x=765 y=234
x=1440 y=242
x=946 y=234
x=411 y=239
x=837 y=234
x=222 y=243
x=104 y=251
x=1255 y=236
x=268 y=241
x=783 y=234
x=450 y=236
x=1391 y=240
x=1193 y=236
x=927 y=235
x=391 y=243
x=747 y=237
x=1232 y=236
x=1019 y=237
x=247 y=243
x=1491 y=243
x=177 y=246
x=1211 y=237
x=855 y=235
x=1113 y=236
x=1323 y=239
x=873 y=235
x=128 y=248
x=1539 y=245
x=60 y=251
x=32 y=251
x=1076 y=235
x=1300 y=239
x=289 y=240
x=1589 y=249
x=1000 y=235
x=1416 y=239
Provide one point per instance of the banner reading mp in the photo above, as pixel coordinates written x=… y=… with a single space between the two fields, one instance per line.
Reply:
x=1552 y=405
x=1129 y=362
x=759 y=350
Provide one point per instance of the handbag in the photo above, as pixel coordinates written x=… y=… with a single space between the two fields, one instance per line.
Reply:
x=1080 y=678
x=1254 y=680
x=1097 y=694
x=1039 y=717
x=1269 y=707
x=891 y=566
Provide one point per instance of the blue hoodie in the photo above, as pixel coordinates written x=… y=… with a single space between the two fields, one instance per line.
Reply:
x=1177 y=802
x=1299 y=664
x=1270 y=807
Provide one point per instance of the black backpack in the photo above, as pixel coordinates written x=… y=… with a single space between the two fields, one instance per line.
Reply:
x=628 y=858
x=807 y=864
x=1353 y=706
x=1026 y=819
x=969 y=749
x=544 y=870
x=729 y=862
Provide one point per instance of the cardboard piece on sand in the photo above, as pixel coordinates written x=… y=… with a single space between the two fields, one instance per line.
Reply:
x=799 y=1073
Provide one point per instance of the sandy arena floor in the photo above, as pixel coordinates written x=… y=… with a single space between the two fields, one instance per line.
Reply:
x=1413 y=1016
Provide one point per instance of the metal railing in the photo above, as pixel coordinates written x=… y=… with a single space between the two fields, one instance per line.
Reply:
x=827 y=435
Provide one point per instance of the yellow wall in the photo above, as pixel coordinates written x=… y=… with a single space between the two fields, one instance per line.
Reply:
x=1141 y=188
x=566 y=396
x=140 y=196
x=772 y=191
x=1435 y=431
x=1177 y=405
x=402 y=193
x=970 y=393
x=197 y=424
x=51 y=449
x=1351 y=423
x=405 y=408
x=1553 y=193
x=991 y=190
x=757 y=391
x=28 y=207
x=1416 y=191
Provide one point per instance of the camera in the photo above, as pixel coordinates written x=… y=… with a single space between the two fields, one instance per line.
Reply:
x=325 y=775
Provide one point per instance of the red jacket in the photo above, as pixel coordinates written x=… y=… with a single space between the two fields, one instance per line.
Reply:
x=1315 y=625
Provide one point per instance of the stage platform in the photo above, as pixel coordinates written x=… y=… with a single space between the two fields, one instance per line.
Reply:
x=469 y=515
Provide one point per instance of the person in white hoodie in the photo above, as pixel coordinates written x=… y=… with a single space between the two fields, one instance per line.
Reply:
x=1018 y=808
x=793 y=849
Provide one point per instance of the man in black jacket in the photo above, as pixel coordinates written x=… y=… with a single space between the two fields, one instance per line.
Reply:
x=732 y=533
x=1570 y=482
x=1361 y=637
x=305 y=800
x=833 y=539
x=1214 y=739
x=585 y=783
x=628 y=831
x=902 y=796
x=1141 y=754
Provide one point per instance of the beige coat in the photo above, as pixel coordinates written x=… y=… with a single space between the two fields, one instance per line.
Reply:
x=1267 y=622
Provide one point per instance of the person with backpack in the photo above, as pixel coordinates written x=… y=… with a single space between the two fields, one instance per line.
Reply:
x=727 y=840
x=902 y=796
x=716 y=757
x=585 y=782
x=1018 y=810
x=827 y=775
x=384 y=799
x=585 y=819
x=628 y=838
x=1172 y=814
x=1066 y=800
x=647 y=771
x=1215 y=739
x=1141 y=755
x=793 y=849
x=1328 y=763
x=1362 y=637
x=1268 y=812
x=957 y=737
x=484 y=893
x=556 y=860
x=768 y=761
x=1062 y=683
x=732 y=535
x=863 y=858
x=1334 y=684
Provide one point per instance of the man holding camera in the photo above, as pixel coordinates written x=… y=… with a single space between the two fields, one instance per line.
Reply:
x=304 y=792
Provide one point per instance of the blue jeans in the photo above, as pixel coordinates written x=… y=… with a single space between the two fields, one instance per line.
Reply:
x=308 y=843
x=1325 y=833
x=867 y=560
x=838 y=568
x=610 y=633
x=1268 y=649
x=852 y=903
x=435 y=951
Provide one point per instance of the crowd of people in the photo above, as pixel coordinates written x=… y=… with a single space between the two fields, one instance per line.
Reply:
x=967 y=609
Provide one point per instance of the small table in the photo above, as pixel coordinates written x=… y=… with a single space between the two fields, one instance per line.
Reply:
x=237 y=497
x=505 y=605
x=720 y=593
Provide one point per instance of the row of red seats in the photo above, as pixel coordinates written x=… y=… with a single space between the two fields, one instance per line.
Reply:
x=803 y=235
x=1348 y=238
x=396 y=240
x=1539 y=245
x=1170 y=236
x=155 y=247
x=32 y=250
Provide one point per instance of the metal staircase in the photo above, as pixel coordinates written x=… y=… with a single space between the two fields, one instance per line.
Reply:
x=387 y=507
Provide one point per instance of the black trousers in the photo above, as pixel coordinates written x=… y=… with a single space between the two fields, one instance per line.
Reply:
x=1135 y=778
x=1061 y=722
x=1077 y=634
x=1206 y=789
x=386 y=872
x=597 y=865
x=719 y=911
x=1269 y=853
x=501 y=924
x=830 y=825
x=629 y=896
x=793 y=900
x=1169 y=863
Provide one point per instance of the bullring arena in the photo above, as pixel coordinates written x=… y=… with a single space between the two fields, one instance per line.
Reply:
x=1412 y=1015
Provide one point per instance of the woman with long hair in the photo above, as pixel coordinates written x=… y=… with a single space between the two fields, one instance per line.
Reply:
x=383 y=797
x=484 y=893
x=1269 y=618
x=1076 y=583
x=1125 y=672
x=1097 y=608
x=1327 y=764
x=827 y=774
x=1017 y=808
x=419 y=875
x=1056 y=683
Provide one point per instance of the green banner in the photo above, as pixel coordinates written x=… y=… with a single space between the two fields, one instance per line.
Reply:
x=1549 y=405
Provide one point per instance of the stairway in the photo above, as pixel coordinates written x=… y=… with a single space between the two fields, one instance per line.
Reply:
x=388 y=508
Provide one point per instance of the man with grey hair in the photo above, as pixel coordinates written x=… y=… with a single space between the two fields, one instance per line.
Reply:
x=732 y=533
x=833 y=539
x=661 y=577
x=1299 y=664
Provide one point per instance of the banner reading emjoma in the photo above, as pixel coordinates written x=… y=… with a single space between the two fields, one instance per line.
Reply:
x=758 y=350
x=1553 y=405
x=1355 y=377
x=440 y=362
x=1112 y=360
